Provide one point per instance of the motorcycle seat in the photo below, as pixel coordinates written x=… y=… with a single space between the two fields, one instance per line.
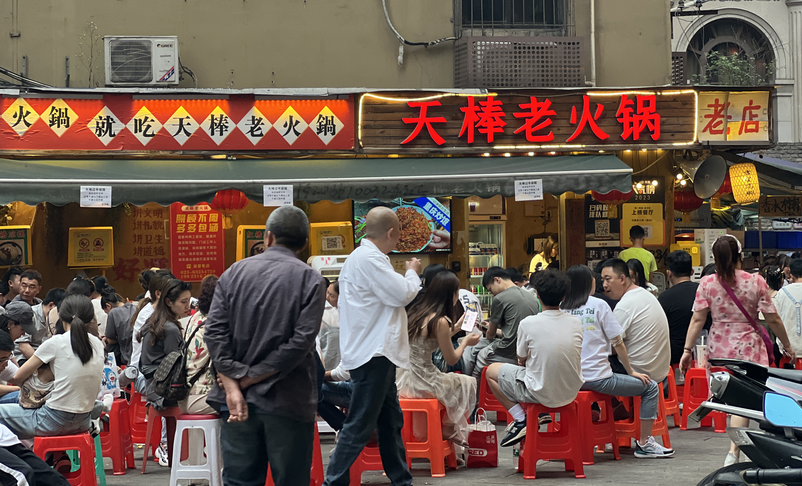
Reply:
x=789 y=375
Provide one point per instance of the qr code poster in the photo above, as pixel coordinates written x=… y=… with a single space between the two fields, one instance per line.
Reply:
x=331 y=238
x=602 y=228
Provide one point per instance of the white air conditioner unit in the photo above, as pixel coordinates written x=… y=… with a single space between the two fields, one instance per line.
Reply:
x=141 y=61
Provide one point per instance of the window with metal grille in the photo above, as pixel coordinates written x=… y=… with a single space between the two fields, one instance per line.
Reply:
x=552 y=16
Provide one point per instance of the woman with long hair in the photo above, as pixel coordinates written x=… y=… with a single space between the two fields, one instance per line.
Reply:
x=638 y=275
x=162 y=333
x=431 y=323
x=199 y=369
x=551 y=250
x=602 y=334
x=734 y=298
x=76 y=359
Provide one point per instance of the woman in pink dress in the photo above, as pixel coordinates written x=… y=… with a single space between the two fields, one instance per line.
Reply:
x=732 y=335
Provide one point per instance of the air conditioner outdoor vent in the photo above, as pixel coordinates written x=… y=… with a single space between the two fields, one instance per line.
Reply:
x=141 y=61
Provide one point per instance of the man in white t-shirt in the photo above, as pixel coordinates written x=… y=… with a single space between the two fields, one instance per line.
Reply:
x=549 y=349
x=789 y=305
x=642 y=318
x=601 y=333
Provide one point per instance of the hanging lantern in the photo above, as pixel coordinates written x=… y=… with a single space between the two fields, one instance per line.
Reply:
x=612 y=199
x=726 y=187
x=686 y=200
x=745 y=185
x=229 y=201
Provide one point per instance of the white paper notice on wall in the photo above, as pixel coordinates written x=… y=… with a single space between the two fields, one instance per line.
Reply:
x=530 y=190
x=278 y=196
x=95 y=196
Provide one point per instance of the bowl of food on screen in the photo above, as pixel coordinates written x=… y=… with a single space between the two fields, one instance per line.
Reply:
x=417 y=229
x=10 y=254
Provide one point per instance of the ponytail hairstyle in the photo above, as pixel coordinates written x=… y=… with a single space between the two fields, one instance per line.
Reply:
x=155 y=284
x=157 y=322
x=109 y=296
x=774 y=277
x=101 y=284
x=727 y=252
x=79 y=312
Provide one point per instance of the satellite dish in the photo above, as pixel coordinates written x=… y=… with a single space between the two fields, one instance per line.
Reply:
x=707 y=175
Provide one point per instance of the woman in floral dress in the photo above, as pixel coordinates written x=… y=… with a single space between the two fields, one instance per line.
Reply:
x=732 y=335
x=198 y=361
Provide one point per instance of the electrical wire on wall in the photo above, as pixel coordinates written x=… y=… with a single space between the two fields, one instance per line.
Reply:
x=404 y=41
x=189 y=72
x=22 y=79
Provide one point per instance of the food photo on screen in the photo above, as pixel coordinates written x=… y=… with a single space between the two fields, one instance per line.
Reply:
x=425 y=223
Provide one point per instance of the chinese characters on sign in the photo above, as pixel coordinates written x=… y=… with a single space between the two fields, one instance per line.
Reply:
x=781 y=206
x=121 y=122
x=196 y=242
x=277 y=196
x=15 y=246
x=146 y=238
x=95 y=196
x=733 y=116
x=91 y=247
x=531 y=190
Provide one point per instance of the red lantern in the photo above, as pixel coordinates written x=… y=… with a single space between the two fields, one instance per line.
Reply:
x=726 y=187
x=229 y=201
x=612 y=199
x=685 y=200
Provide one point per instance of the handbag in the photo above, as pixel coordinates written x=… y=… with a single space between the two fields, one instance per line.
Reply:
x=482 y=442
x=759 y=330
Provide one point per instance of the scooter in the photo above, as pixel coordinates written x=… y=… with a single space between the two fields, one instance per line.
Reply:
x=771 y=398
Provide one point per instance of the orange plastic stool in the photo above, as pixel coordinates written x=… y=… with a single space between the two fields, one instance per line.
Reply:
x=170 y=414
x=628 y=430
x=83 y=443
x=138 y=413
x=435 y=449
x=317 y=474
x=696 y=392
x=593 y=433
x=368 y=460
x=116 y=442
x=672 y=402
x=564 y=442
x=489 y=402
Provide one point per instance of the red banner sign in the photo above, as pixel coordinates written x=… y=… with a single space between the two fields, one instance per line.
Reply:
x=122 y=122
x=197 y=242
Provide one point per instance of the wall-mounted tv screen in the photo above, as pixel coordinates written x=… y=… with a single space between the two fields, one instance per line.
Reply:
x=425 y=223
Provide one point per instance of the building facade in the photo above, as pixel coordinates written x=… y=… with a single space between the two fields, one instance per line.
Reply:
x=349 y=43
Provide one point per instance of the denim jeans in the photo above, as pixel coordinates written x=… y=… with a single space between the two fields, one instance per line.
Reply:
x=283 y=443
x=12 y=397
x=374 y=406
x=44 y=421
x=628 y=386
x=327 y=409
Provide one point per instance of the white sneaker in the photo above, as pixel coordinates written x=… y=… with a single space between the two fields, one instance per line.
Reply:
x=651 y=450
x=162 y=456
x=730 y=459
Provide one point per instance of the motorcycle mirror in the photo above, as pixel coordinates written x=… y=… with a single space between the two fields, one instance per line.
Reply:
x=782 y=410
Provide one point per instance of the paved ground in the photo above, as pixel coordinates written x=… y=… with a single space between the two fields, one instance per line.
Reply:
x=698 y=453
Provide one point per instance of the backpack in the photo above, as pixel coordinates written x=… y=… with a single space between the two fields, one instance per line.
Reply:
x=170 y=378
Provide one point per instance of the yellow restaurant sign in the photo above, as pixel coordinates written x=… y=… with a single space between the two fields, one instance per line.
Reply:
x=91 y=247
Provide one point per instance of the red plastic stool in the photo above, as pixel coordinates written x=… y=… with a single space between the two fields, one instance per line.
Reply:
x=672 y=402
x=83 y=443
x=317 y=474
x=696 y=392
x=564 y=442
x=785 y=360
x=138 y=413
x=116 y=442
x=368 y=460
x=170 y=414
x=629 y=430
x=598 y=433
x=489 y=402
x=435 y=449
